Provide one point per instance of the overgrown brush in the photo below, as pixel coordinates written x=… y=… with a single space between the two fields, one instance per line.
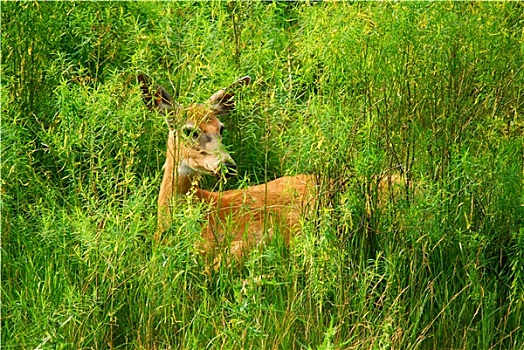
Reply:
x=432 y=91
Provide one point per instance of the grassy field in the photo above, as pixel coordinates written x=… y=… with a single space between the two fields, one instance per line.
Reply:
x=346 y=91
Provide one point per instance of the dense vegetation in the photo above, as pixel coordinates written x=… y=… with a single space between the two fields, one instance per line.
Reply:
x=346 y=91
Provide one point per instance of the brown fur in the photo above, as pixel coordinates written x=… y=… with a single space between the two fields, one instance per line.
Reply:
x=247 y=216
x=241 y=218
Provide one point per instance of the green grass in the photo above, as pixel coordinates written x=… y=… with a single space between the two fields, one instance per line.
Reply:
x=346 y=91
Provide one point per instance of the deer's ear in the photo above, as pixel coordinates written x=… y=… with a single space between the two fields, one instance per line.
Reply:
x=159 y=100
x=222 y=101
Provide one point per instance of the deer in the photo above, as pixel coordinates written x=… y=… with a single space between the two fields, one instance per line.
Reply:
x=238 y=219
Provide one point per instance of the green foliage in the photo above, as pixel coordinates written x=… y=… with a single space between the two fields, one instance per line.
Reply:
x=347 y=91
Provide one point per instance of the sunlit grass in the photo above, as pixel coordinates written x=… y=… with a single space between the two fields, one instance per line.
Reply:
x=344 y=91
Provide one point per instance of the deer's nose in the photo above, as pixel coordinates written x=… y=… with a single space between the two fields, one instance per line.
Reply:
x=231 y=169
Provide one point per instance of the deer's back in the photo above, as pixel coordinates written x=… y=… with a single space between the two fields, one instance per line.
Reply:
x=244 y=217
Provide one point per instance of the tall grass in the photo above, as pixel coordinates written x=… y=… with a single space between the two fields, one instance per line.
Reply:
x=347 y=91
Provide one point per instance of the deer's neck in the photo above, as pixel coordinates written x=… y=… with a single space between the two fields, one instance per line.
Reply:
x=178 y=178
x=176 y=182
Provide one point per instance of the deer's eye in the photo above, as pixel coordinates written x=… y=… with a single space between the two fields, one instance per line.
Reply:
x=191 y=132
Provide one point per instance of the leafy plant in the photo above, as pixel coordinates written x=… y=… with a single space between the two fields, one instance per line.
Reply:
x=347 y=91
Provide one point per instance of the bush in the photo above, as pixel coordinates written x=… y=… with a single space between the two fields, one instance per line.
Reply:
x=346 y=91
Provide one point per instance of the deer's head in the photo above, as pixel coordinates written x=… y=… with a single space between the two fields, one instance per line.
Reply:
x=195 y=130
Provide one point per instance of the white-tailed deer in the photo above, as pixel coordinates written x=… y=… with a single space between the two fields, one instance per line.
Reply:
x=237 y=219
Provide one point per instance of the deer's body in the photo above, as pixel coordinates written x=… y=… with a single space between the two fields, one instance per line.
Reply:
x=240 y=218
x=243 y=218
